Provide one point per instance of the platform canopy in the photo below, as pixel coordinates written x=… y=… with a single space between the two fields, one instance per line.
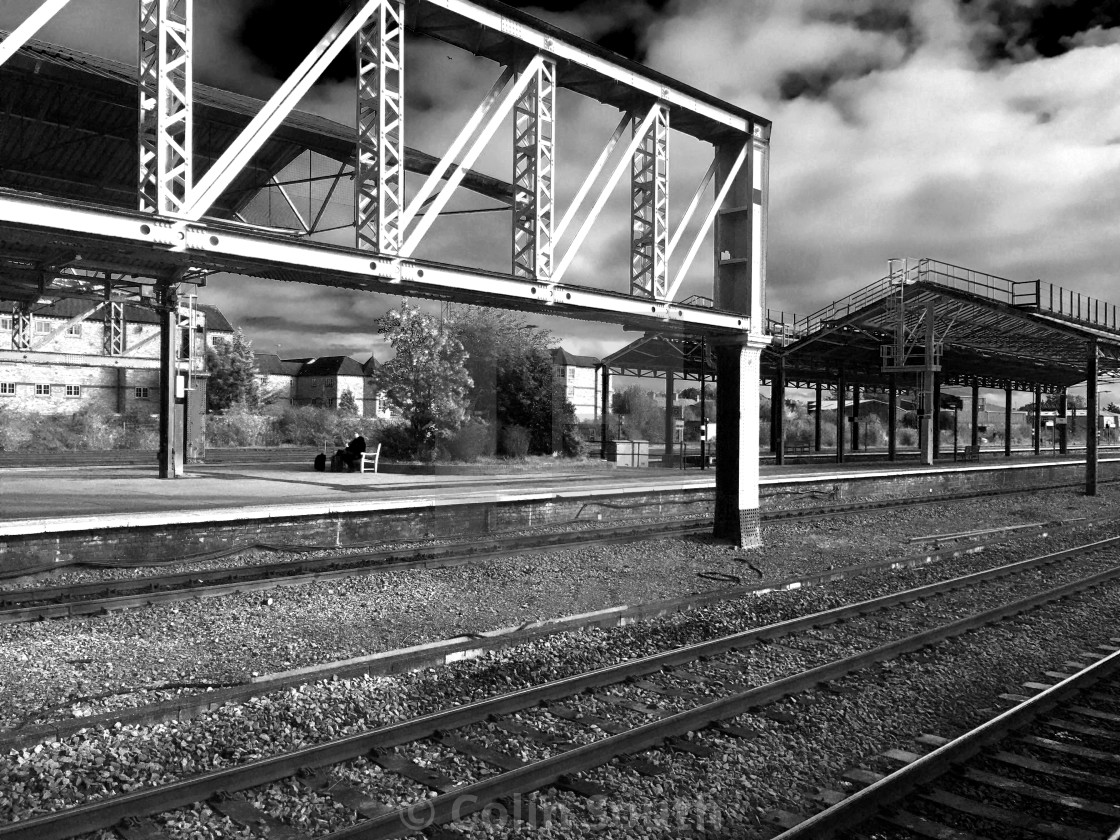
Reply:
x=68 y=130
x=654 y=355
x=994 y=332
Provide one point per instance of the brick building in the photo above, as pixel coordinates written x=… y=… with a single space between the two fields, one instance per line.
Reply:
x=580 y=380
x=75 y=353
x=319 y=381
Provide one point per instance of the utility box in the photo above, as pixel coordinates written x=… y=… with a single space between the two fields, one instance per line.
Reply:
x=628 y=453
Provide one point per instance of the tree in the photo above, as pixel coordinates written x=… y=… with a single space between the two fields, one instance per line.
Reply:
x=510 y=363
x=427 y=380
x=347 y=404
x=233 y=374
x=645 y=417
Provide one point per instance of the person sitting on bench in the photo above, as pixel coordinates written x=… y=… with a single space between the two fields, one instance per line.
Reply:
x=350 y=457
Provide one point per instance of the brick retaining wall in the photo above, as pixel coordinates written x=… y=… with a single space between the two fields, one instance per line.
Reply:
x=27 y=552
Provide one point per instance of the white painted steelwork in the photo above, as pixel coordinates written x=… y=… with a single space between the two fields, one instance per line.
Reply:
x=649 y=208
x=534 y=167
x=379 y=175
x=165 y=88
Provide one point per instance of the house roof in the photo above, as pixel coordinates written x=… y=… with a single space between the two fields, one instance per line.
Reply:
x=560 y=356
x=329 y=366
x=269 y=364
x=67 y=308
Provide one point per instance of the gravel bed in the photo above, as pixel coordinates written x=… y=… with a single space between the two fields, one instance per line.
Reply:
x=133 y=756
x=145 y=655
x=946 y=691
x=35 y=780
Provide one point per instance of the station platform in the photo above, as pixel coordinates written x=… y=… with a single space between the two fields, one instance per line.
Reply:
x=59 y=514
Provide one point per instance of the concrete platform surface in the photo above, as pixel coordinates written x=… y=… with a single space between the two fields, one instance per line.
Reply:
x=57 y=499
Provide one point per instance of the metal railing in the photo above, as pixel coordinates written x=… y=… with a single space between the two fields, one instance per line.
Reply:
x=1033 y=295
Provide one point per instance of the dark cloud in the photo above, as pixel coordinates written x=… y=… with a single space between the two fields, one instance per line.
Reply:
x=1020 y=30
x=279 y=33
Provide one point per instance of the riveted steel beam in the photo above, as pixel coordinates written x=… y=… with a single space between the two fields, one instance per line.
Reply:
x=379 y=176
x=534 y=131
x=649 y=208
x=165 y=80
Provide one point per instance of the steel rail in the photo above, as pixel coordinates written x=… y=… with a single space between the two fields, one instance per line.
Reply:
x=108 y=812
x=865 y=803
x=473 y=797
x=232 y=580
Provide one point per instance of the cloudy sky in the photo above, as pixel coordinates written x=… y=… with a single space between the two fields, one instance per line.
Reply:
x=983 y=133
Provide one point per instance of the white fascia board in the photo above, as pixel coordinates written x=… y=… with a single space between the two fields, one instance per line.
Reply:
x=608 y=69
x=217 y=246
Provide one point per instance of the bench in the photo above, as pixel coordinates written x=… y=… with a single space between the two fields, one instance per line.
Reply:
x=797 y=448
x=971 y=453
x=370 y=458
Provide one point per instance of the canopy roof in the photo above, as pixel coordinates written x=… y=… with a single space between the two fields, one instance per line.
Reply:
x=68 y=128
x=655 y=355
x=995 y=332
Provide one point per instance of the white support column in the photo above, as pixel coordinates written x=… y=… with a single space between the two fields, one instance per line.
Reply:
x=649 y=209
x=21 y=328
x=534 y=127
x=379 y=175
x=114 y=330
x=740 y=282
x=738 y=372
x=165 y=80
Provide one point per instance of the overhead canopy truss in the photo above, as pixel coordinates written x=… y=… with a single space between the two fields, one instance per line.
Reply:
x=994 y=332
x=657 y=355
x=203 y=155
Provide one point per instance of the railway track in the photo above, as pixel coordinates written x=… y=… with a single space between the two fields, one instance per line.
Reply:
x=66 y=601
x=1049 y=766
x=548 y=734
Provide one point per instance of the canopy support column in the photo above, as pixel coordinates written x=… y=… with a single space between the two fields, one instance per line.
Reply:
x=1092 y=419
x=841 y=412
x=738 y=369
x=670 y=419
x=975 y=413
x=605 y=409
x=1037 y=419
x=892 y=417
x=1063 y=438
x=817 y=421
x=1007 y=422
x=170 y=455
x=778 y=402
x=855 y=417
x=935 y=411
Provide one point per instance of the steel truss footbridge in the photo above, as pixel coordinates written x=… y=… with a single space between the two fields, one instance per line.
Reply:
x=181 y=216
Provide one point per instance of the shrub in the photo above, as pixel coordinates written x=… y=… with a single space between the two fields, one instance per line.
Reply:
x=397 y=442
x=572 y=444
x=515 y=442
x=471 y=442
x=907 y=437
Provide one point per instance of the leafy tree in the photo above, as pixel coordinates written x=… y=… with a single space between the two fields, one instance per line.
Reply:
x=233 y=374
x=347 y=404
x=427 y=380
x=645 y=415
x=510 y=363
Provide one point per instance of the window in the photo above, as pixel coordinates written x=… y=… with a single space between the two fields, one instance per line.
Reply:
x=73 y=390
x=42 y=327
x=571 y=373
x=74 y=329
x=5 y=323
x=141 y=393
x=42 y=390
x=7 y=389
